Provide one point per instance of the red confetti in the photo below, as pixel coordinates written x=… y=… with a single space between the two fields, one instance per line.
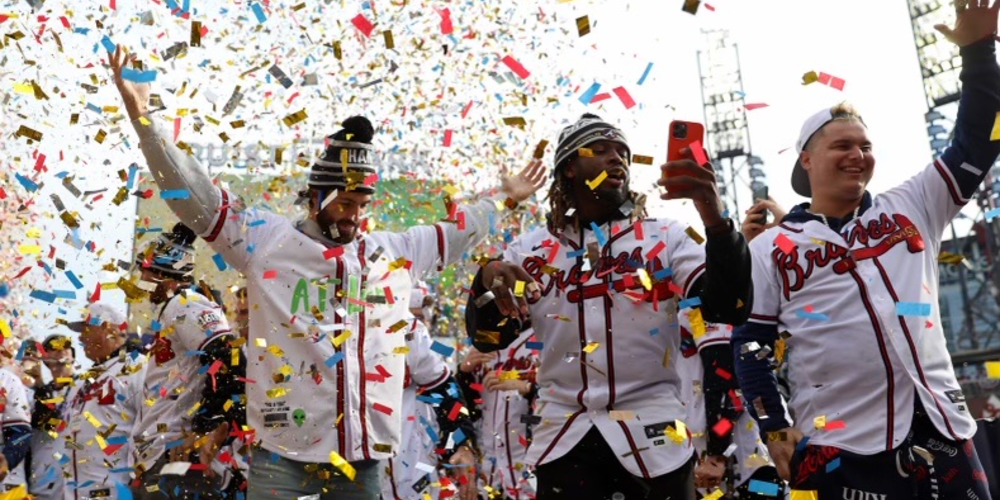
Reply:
x=382 y=371
x=603 y=96
x=455 y=411
x=96 y=296
x=639 y=235
x=784 y=243
x=388 y=295
x=756 y=105
x=363 y=24
x=3 y=194
x=330 y=253
x=461 y=221
x=446 y=27
x=465 y=110
x=553 y=253
x=709 y=7
x=836 y=424
x=653 y=252
x=382 y=408
x=177 y=128
x=447 y=138
x=270 y=274
x=516 y=67
x=624 y=97
x=722 y=427
x=699 y=153
x=723 y=373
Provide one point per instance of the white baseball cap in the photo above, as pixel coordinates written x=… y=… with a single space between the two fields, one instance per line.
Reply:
x=97 y=314
x=800 y=178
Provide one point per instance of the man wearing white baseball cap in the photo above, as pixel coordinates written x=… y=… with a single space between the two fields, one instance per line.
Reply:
x=103 y=407
x=850 y=280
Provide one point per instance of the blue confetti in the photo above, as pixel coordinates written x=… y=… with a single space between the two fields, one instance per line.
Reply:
x=108 y=44
x=123 y=439
x=601 y=239
x=156 y=326
x=64 y=294
x=832 y=466
x=27 y=183
x=590 y=93
x=458 y=436
x=175 y=194
x=219 y=262
x=645 y=73
x=764 y=488
x=913 y=309
x=535 y=346
x=333 y=360
x=124 y=493
x=259 y=12
x=802 y=313
x=442 y=349
x=173 y=444
x=663 y=274
x=692 y=302
x=43 y=296
x=134 y=75
x=132 y=169
x=74 y=280
x=654 y=332
x=575 y=253
x=257 y=222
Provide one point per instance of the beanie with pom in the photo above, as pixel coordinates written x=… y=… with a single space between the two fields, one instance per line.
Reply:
x=348 y=163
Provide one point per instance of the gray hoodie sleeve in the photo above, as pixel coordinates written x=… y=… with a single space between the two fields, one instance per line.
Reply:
x=175 y=169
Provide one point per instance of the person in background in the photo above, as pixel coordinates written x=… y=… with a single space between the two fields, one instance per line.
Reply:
x=45 y=473
x=15 y=422
x=503 y=387
x=102 y=408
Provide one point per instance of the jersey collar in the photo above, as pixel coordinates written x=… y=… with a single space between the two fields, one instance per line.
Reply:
x=800 y=214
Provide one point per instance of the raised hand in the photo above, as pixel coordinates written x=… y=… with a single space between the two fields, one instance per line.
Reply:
x=135 y=95
x=464 y=467
x=753 y=223
x=976 y=21
x=520 y=187
x=685 y=179
x=501 y=278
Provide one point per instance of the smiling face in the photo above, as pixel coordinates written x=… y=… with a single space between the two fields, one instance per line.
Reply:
x=608 y=157
x=839 y=161
x=340 y=220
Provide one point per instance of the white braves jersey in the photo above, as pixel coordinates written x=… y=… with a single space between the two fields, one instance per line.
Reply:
x=608 y=346
x=188 y=323
x=862 y=311
x=110 y=395
x=413 y=471
x=326 y=322
x=15 y=409
x=751 y=453
x=504 y=432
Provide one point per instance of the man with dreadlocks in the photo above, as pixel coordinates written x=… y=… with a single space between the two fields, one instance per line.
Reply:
x=593 y=285
x=195 y=384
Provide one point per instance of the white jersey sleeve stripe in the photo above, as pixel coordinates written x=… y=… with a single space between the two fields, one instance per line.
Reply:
x=949 y=180
x=220 y=220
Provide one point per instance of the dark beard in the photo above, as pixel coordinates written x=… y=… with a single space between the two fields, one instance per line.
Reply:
x=329 y=228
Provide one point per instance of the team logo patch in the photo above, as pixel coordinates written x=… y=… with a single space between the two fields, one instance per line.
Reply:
x=209 y=319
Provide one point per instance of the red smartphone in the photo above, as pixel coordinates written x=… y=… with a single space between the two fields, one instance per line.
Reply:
x=682 y=135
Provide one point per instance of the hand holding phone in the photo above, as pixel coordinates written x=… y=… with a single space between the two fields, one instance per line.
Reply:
x=759 y=195
x=687 y=174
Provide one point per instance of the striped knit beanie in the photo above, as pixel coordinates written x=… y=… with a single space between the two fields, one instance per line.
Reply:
x=348 y=162
x=588 y=129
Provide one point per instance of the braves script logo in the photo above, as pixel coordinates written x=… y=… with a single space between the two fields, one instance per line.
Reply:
x=625 y=264
x=878 y=237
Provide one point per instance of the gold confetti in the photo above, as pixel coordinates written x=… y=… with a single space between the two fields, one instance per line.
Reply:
x=295 y=117
x=642 y=160
x=585 y=152
x=591 y=347
x=995 y=134
x=597 y=182
x=693 y=233
x=101 y=134
x=583 y=26
x=29 y=132
x=514 y=121
x=540 y=149
x=339 y=462
x=389 y=43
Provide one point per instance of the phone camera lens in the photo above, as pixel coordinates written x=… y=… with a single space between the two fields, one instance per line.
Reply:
x=680 y=130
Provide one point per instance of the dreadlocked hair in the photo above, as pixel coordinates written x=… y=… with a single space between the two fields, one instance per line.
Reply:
x=561 y=201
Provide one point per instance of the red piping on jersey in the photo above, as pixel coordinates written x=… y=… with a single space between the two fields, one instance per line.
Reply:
x=698 y=271
x=761 y=317
x=913 y=352
x=506 y=442
x=363 y=410
x=890 y=403
x=341 y=432
x=441 y=378
x=581 y=330
x=223 y=215
x=709 y=342
x=441 y=245
x=562 y=432
x=609 y=345
x=635 y=451
x=792 y=229
x=956 y=195
x=392 y=479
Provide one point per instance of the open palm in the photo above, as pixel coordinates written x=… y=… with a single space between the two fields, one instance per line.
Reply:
x=135 y=95
x=976 y=21
x=520 y=187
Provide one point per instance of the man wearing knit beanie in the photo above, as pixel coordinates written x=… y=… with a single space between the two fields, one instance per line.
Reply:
x=327 y=303
x=607 y=388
